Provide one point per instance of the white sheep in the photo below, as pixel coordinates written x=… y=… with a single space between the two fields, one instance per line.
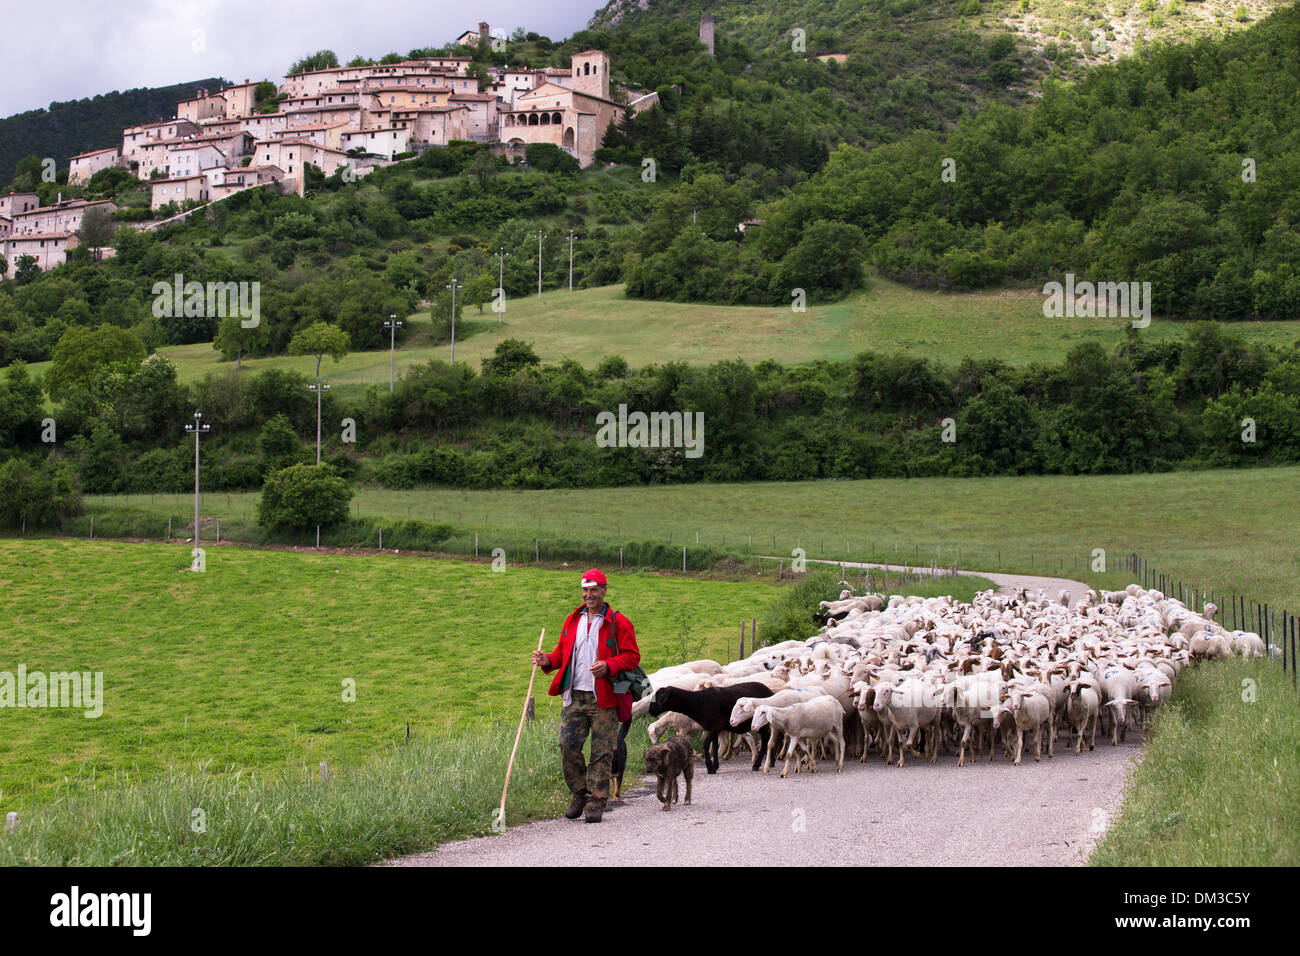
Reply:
x=805 y=724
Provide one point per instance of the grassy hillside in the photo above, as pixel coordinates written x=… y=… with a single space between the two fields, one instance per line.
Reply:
x=590 y=325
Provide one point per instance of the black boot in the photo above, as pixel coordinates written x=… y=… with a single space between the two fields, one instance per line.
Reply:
x=574 y=810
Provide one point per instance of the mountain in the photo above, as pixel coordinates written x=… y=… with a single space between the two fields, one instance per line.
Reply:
x=78 y=126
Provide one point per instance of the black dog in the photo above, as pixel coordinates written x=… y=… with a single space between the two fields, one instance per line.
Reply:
x=666 y=760
x=619 y=763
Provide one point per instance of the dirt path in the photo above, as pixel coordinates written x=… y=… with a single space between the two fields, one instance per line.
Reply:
x=1007 y=583
x=990 y=814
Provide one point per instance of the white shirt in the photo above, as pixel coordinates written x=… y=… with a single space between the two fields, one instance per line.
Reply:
x=584 y=655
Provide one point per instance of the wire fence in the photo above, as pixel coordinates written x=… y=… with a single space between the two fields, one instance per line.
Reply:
x=1277 y=627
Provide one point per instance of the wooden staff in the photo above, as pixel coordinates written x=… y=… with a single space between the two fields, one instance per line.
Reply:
x=501 y=813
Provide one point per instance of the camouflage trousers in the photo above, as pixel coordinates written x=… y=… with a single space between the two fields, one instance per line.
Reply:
x=579 y=719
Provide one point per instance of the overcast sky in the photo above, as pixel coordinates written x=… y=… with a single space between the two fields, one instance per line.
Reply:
x=97 y=46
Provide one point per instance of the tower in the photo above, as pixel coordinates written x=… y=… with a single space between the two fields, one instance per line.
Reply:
x=706 y=31
x=591 y=73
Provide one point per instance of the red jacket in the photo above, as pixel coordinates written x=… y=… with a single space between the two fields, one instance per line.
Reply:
x=629 y=656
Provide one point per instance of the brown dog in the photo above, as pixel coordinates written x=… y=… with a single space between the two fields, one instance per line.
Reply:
x=666 y=760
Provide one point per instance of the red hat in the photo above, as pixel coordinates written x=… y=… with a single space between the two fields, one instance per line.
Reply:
x=593 y=577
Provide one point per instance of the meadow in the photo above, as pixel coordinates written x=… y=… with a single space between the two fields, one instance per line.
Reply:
x=246 y=666
x=1235 y=531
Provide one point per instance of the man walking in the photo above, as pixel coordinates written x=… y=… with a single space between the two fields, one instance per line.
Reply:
x=596 y=643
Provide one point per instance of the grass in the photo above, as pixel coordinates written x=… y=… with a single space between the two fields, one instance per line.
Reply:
x=1220 y=782
x=409 y=798
x=1231 y=530
x=589 y=325
x=244 y=666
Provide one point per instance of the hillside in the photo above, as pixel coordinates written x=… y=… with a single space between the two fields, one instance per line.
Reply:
x=845 y=26
x=78 y=126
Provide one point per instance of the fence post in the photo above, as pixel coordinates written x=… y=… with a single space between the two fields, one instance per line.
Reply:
x=381 y=539
x=476 y=544
x=780 y=570
x=169 y=529
x=218 y=531
x=742 y=639
x=683 y=559
x=537 y=550
x=1293 y=641
x=620 y=556
x=318 y=536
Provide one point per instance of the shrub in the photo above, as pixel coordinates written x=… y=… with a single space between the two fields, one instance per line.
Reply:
x=303 y=496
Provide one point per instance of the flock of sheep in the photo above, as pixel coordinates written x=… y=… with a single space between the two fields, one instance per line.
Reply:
x=964 y=678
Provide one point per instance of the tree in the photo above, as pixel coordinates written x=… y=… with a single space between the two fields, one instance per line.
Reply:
x=232 y=336
x=320 y=339
x=26 y=269
x=483 y=167
x=320 y=60
x=97 y=229
x=36 y=497
x=278 y=443
x=479 y=290
x=82 y=354
x=301 y=497
x=549 y=158
x=509 y=356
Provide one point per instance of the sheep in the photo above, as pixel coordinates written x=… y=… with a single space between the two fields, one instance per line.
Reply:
x=1154 y=691
x=711 y=709
x=1083 y=706
x=703 y=666
x=1119 y=708
x=1029 y=710
x=804 y=724
x=910 y=706
x=686 y=680
x=680 y=724
x=746 y=706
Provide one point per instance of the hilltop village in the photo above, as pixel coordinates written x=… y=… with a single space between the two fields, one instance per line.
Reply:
x=344 y=118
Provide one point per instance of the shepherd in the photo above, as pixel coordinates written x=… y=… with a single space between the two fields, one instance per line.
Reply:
x=596 y=644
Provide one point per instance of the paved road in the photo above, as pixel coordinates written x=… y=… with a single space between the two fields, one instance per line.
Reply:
x=988 y=814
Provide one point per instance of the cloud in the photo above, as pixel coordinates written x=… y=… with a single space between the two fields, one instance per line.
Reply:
x=97 y=47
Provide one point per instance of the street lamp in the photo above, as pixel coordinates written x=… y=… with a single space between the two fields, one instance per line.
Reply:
x=319 y=387
x=453 y=287
x=502 y=255
x=197 y=428
x=572 y=238
x=540 y=237
x=392 y=325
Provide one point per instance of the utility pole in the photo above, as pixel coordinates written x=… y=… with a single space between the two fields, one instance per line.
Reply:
x=392 y=325
x=319 y=387
x=540 y=237
x=197 y=428
x=453 y=287
x=502 y=255
x=572 y=238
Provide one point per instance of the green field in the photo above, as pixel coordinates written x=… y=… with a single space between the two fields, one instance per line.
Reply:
x=589 y=325
x=243 y=666
x=1235 y=531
